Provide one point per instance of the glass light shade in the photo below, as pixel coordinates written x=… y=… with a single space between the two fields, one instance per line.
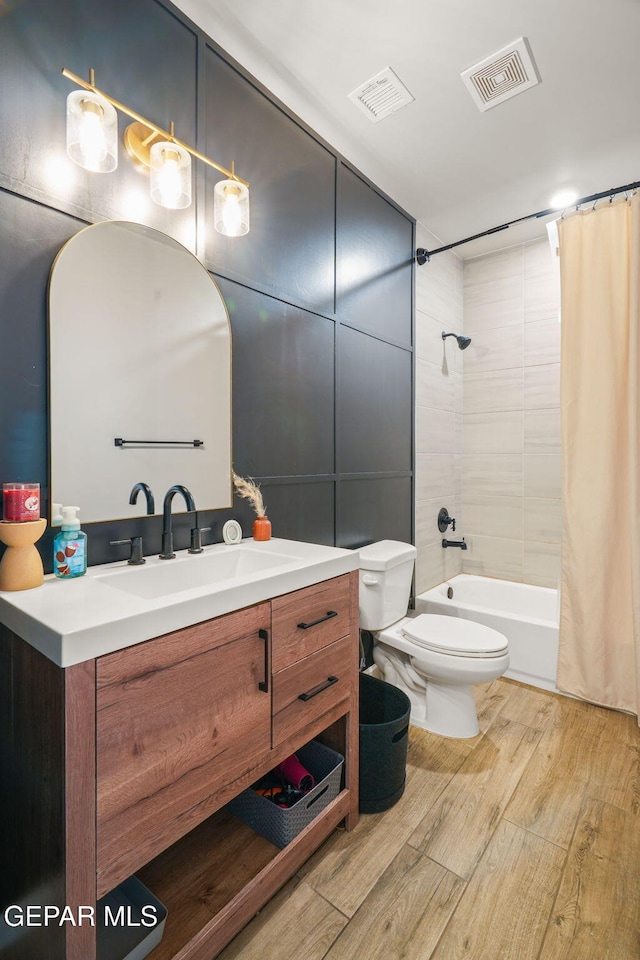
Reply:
x=170 y=175
x=231 y=208
x=92 y=131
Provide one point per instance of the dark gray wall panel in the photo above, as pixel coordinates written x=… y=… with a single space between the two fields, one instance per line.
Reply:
x=279 y=281
x=143 y=56
x=283 y=386
x=375 y=260
x=290 y=248
x=30 y=238
x=302 y=511
x=375 y=412
x=377 y=509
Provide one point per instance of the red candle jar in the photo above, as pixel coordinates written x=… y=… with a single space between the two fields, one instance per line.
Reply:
x=21 y=501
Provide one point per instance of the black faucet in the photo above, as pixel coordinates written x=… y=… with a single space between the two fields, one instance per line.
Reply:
x=146 y=489
x=167 y=532
x=444 y=520
x=455 y=543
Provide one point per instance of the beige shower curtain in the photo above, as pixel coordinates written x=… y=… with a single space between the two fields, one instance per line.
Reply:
x=599 y=656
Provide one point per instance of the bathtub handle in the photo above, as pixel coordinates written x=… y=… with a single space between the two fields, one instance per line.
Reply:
x=370 y=581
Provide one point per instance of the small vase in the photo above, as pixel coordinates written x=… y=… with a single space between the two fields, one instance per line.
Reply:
x=262 y=528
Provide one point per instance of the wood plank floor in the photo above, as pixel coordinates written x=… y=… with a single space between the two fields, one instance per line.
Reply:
x=521 y=844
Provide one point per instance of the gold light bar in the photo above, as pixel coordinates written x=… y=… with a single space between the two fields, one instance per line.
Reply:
x=152 y=126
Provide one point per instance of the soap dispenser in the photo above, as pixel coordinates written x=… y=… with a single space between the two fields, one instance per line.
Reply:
x=70 y=546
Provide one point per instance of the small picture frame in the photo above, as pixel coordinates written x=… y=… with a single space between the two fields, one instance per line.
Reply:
x=232 y=532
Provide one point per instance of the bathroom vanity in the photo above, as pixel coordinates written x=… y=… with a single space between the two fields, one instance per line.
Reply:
x=137 y=702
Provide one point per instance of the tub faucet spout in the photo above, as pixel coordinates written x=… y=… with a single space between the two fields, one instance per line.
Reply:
x=455 y=543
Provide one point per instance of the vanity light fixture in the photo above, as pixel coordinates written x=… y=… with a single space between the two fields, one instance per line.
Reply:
x=170 y=174
x=92 y=131
x=92 y=143
x=231 y=208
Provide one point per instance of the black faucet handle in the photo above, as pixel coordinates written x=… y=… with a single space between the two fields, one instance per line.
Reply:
x=196 y=539
x=444 y=520
x=135 y=558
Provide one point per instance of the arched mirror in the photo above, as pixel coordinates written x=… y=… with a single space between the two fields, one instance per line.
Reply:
x=139 y=373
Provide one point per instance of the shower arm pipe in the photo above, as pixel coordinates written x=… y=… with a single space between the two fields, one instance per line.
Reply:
x=91 y=87
x=423 y=256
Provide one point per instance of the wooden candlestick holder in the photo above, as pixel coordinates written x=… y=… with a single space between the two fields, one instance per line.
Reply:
x=21 y=566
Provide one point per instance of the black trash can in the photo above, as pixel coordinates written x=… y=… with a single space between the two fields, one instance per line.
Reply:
x=384 y=729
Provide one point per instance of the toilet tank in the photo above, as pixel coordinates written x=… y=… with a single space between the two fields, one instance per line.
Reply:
x=386 y=570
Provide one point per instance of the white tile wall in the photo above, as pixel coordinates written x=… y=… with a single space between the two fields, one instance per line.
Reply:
x=439 y=398
x=542 y=431
x=541 y=283
x=494 y=391
x=435 y=385
x=543 y=476
x=435 y=430
x=494 y=474
x=439 y=284
x=542 y=520
x=488 y=418
x=435 y=475
x=499 y=349
x=501 y=515
x=511 y=441
x=542 y=342
x=541 y=386
x=427 y=522
x=541 y=564
x=492 y=557
x=435 y=565
x=494 y=432
x=493 y=291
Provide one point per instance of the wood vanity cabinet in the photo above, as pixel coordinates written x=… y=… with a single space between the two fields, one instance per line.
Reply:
x=124 y=764
x=177 y=719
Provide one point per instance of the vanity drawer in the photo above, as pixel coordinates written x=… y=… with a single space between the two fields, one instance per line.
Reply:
x=307 y=689
x=309 y=619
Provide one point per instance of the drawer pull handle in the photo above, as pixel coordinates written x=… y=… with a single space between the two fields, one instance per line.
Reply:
x=313 y=623
x=264 y=684
x=316 y=690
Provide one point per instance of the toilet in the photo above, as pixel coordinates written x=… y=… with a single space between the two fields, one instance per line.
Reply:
x=434 y=659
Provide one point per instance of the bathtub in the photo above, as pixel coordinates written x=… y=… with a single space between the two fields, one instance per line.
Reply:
x=526 y=615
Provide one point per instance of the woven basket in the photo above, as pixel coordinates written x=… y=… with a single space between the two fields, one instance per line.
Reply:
x=280 y=825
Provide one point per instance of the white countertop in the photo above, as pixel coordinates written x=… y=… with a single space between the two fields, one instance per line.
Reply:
x=107 y=609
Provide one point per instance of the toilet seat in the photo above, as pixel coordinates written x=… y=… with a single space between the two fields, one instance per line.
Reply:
x=455 y=637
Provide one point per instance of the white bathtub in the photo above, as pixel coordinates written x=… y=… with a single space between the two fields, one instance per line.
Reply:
x=526 y=615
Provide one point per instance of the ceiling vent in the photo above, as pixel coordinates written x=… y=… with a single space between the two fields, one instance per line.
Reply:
x=507 y=73
x=381 y=95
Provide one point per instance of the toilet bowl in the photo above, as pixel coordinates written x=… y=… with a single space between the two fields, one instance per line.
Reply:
x=434 y=659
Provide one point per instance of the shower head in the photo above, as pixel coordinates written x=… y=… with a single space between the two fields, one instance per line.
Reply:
x=463 y=342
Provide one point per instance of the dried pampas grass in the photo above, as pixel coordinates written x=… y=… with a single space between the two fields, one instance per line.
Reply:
x=249 y=490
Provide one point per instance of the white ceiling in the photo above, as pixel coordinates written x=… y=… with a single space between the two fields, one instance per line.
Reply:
x=455 y=169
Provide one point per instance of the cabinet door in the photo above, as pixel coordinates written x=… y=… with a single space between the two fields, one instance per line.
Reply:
x=179 y=719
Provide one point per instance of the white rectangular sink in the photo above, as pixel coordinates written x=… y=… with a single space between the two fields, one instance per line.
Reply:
x=188 y=572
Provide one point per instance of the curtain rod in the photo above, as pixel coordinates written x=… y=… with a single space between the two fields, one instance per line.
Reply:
x=423 y=256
